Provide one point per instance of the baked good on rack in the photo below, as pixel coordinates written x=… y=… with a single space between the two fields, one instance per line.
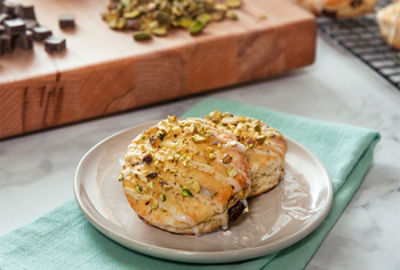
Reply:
x=389 y=24
x=186 y=176
x=265 y=148
x=339 y=8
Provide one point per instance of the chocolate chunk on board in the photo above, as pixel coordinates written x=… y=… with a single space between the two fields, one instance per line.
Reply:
x=40 y=33
x=9 y=9
x=3 y=17
x=14 y=26
x=6 y=43
x=25 y=41
x=30 y=24
x=26 y=12
x=54 y=44
x=66 y=21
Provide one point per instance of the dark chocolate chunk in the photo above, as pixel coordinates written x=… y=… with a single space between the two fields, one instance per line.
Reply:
x=66 y=21
x=40 y=33
x=9 y=8
x=26 y=12
x=3 y=17
x=25 y=41
x=30 y=24
x=14 y=26
x=152 y=175
x=148 y=159
x=6 y=43
x=54 y=44
x=329 y=13
x=235 y=211
x=356 y=3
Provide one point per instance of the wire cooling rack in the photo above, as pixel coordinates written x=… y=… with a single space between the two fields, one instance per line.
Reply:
x=361 y=37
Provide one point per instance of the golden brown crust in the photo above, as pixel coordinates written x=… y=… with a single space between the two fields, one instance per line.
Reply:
x=174 y=178
x=339 y=8
x=265 y=148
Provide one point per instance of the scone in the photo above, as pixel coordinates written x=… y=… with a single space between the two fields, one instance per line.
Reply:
x=339 y=8
x=265 y=148
x=389 y=24
x=186 y=176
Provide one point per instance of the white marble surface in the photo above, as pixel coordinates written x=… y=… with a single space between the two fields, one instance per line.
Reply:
x=36 y=171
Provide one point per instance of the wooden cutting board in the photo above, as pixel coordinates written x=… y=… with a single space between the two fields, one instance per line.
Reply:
x=105 y=71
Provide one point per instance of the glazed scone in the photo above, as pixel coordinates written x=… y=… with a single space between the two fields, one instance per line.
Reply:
x=389 y=24
x=339 y=8
x=265 y=148
x=186 y=176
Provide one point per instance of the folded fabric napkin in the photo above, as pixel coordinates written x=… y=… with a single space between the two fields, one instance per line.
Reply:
x=64 y=239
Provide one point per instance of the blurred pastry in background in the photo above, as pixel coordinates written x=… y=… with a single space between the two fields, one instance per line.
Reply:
x=388 y=19
x=338 y=8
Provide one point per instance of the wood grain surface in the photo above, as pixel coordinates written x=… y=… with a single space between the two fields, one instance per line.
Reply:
x=105 y=71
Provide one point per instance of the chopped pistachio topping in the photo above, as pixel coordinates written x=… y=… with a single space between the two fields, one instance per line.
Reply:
x=139 y=189
x=196 y=186
x=121 y=177
x=163 y=198
x=198 y=139
x=261 y=139
x=186 y=193
x=232 y=172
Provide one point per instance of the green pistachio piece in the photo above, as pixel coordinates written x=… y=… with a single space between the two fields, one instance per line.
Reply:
x=196 y=27
x=221 y=7
x=113 y=24
x=233 y=3
x=218 y=16
x=262 y=17
x=121 y=177
x=186 y=193
x=142 y=35
x=204 y=18
x=185 y=22
x=160 y=31
x=261 y=139
x=139 y=189
x=121 y=23
x=232 y=172
x=163 y=198
x=132 y=14
x=232 y=15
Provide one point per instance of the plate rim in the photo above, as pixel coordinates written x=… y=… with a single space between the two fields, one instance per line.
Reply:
x=199 y=257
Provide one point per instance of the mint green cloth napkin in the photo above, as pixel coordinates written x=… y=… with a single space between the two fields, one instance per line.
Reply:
x=64 y=239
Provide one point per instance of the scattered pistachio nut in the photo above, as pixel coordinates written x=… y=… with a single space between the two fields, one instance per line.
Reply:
x=232 y=15
x=121 y=177
x=261 y=139
x=198 y=139
x=233 y=3
x=186 y=193
x=141 y=35
x=163 y=198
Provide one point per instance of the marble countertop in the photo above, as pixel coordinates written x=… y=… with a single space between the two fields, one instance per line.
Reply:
x=37 y=170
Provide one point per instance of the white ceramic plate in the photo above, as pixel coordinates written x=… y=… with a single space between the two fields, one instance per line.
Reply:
x=276 y=219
